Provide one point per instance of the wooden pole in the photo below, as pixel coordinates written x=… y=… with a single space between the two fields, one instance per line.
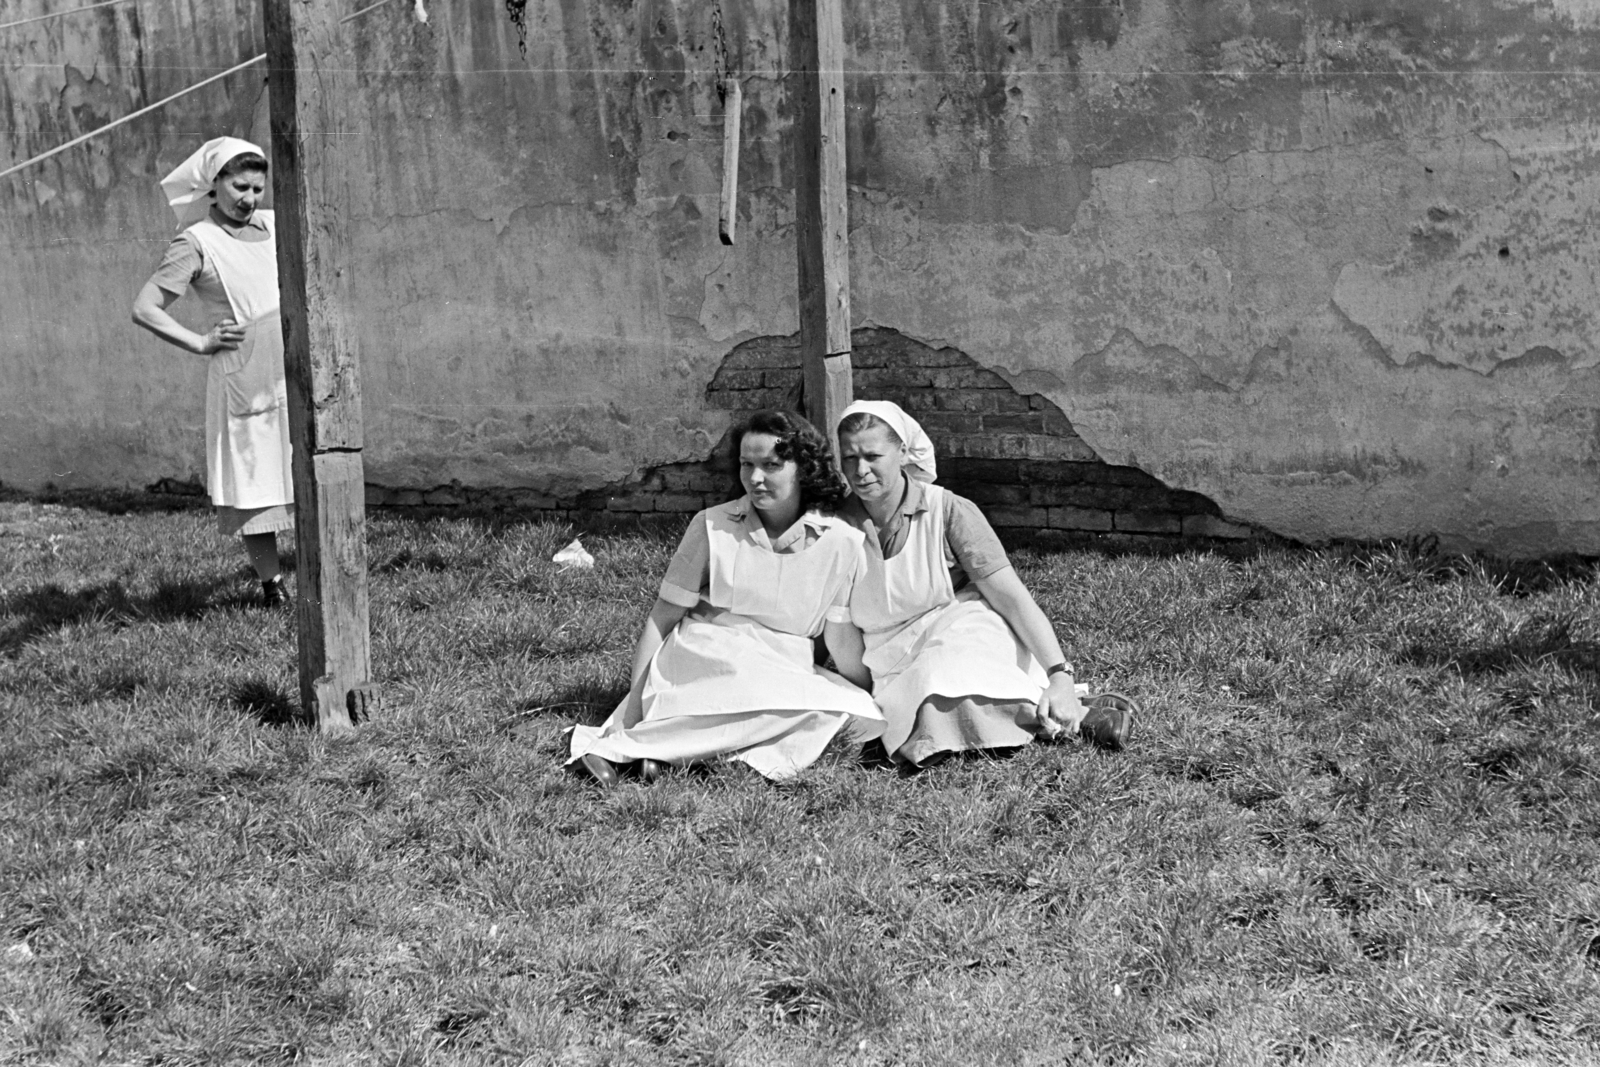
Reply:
x=311 y=91
x=822 y=211
x=732 y=110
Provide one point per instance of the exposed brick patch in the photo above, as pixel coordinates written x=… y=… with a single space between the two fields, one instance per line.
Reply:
x=1016 y=455
x=1146 y=522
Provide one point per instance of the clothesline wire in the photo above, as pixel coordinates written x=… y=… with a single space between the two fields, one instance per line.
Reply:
x=112 y=3
x=651 y=73
x=775 y=75
x=130 y=116
x=150 y=107
x=59 y=14
x=357 y=14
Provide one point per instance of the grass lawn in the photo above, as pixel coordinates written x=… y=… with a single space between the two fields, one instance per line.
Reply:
x=1359 y=826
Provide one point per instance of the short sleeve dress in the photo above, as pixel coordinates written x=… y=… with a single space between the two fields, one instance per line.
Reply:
x=947 y=670
x=736 y=677
x=248 y=457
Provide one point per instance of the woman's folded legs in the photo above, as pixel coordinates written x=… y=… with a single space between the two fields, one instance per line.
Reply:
x=964 y=724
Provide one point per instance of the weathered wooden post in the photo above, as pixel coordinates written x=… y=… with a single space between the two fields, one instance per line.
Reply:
x=312 y=88
x=822 y=211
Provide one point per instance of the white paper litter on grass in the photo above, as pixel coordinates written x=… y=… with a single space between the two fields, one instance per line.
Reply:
x=574 y=555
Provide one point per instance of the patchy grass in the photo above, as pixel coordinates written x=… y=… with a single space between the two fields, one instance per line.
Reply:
x=1359 y=826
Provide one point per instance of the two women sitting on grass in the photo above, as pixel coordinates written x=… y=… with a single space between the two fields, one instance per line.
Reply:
x=905 y=582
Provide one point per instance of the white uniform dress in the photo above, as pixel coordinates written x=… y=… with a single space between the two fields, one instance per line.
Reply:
x=736 y=677
x=925 y=640
x=248 y=456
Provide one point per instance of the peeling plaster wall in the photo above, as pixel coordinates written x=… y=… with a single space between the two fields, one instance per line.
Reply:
x=86 y=399
x=1326 y=262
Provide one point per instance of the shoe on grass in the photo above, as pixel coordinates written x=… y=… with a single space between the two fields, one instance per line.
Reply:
x=273 y=593
x=600 y=769
x=1109 y=720
x=873 y=754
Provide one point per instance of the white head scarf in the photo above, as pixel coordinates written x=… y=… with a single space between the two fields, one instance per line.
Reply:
x=188 y=188
x=919 y=450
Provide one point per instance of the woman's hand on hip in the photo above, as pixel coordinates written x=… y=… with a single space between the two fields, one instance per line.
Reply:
x=1060 y=710
x=225 y=336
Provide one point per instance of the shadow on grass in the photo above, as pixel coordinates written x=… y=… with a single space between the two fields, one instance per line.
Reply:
x=103 y=995
x=166 y=495
x=1540 y=639
x=1423 y=557
x=266 y=703
x=28 y=613
x=406 y=559
x=589 y=701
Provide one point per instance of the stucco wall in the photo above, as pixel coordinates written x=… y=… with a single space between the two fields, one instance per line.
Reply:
x=1328 y=263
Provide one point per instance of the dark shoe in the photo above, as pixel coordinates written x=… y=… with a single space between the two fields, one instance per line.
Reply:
x=273 y=593
x=873 y=754
x=650 y=770
x=600 y=769
x=1109 y=721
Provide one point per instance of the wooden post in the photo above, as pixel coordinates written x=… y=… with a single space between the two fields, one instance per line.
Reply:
x=822 y=211
x=732 y=111
x=311 y=90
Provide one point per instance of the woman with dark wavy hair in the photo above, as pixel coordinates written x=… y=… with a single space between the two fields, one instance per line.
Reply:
x=725 y=665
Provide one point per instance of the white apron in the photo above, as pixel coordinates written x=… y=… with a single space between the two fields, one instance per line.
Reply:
x=248 y=458
x=736 y=676
x=924 y=639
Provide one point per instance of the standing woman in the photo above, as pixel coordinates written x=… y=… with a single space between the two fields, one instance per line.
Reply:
x=960 y=654
x=227 y=257
x=725 y=666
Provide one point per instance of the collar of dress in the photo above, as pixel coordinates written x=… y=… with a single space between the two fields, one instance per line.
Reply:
x=812 y=521
x=916 y=496
x=256 y=223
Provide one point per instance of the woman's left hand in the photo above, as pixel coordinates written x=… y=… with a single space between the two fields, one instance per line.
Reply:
x=1060 y=710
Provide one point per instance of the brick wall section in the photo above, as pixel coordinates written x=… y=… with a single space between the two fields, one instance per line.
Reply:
x=1014 y=454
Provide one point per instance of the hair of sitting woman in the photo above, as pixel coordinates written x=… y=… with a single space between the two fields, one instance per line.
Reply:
x=242 y=162
x=866 y=420
x=821 y=485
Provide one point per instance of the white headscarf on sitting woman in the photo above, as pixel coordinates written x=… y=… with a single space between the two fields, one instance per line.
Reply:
x=188 y=187
x=918 y=448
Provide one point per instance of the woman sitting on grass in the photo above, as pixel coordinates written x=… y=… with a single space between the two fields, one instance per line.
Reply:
x=960 y=654
x=725 y=666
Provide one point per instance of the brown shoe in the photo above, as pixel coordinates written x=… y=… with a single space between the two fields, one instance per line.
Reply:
x=1109 y=721
x=650 y=770
x=600 y=769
